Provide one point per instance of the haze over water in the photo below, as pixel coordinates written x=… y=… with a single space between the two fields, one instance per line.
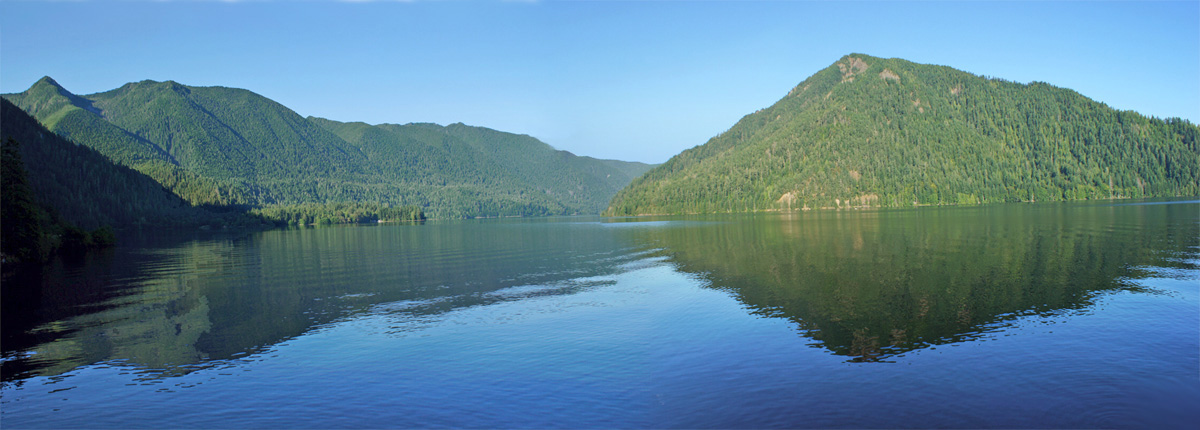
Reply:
x=1024 y=315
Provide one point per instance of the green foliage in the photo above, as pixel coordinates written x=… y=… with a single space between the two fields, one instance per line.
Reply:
x=460 y=171
x=20 y=217
x=887 y=132
x=32 y=232
x=73 y=185
x=337 y=213
x=103 y=236
x=75 y=238
x=70 y=115
x=220 y=146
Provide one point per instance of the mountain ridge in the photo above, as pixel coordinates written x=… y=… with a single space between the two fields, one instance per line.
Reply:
x=228 y=146
x=433 y=154
x=871 y=132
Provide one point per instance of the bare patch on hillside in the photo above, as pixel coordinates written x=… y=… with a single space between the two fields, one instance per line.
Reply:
x=787 y=198
x=855 y=175
x=956 y=90
x=917 y=104
x=887 y=75
x=852 y=66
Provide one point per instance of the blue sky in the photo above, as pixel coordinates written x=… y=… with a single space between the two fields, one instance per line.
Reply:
x=627 y=80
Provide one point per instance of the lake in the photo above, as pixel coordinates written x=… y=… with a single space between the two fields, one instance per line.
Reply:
x=1024 y=315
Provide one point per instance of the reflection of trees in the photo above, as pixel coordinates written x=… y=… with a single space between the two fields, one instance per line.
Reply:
x=292 y=281
x=171 y=310
x=873 y=284
x=862 y=284
x=153 y=322
x=122 y=336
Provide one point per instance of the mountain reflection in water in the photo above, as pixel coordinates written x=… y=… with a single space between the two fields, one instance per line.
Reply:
x=173 y=309
x=874 y=284
x=1079 y=315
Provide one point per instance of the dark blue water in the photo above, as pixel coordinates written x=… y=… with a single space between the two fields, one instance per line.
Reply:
x=1037 y=316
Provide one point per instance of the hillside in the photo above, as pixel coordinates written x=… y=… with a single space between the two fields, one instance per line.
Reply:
x=226 y=146
x=868 y=131
x=52 y=187
x=497 y=168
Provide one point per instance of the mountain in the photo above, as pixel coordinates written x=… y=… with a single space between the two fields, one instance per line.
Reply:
x=52 y=188
x=868 y=131
x=226 y=146
x=212 y=145
x=508 y=174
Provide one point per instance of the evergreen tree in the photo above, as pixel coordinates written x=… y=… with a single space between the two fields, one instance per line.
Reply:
x=20 y=226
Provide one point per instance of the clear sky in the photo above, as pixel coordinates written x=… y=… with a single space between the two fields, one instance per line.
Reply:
x=628 y=80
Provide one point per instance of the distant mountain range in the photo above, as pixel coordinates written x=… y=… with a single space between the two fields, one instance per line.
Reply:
x=870 y=132
x=221 y=146
x=863 y=132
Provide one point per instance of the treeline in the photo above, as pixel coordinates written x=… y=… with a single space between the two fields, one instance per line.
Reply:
x=337 y=213
x=886 y=132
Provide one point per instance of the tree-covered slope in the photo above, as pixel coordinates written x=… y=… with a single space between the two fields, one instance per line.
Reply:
x=229 y=134
x=887 y=132
x=78 y=119
x=76 y=185
x=70 y=115
x=537 y=163
x=225 y=146
x=499 y=173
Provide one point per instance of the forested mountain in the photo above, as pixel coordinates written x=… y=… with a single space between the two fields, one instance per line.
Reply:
x=53 y=188
x=888 y=132
x=506 y=174
x=225 y=146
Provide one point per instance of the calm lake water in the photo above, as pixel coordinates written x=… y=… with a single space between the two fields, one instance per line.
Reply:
x=1026 y=315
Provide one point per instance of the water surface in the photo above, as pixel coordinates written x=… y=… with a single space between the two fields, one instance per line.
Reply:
x=1043 y=315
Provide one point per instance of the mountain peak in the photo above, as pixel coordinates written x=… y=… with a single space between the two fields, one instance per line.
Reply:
x=47 y=85
x=46 y=80
x=46 y=90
